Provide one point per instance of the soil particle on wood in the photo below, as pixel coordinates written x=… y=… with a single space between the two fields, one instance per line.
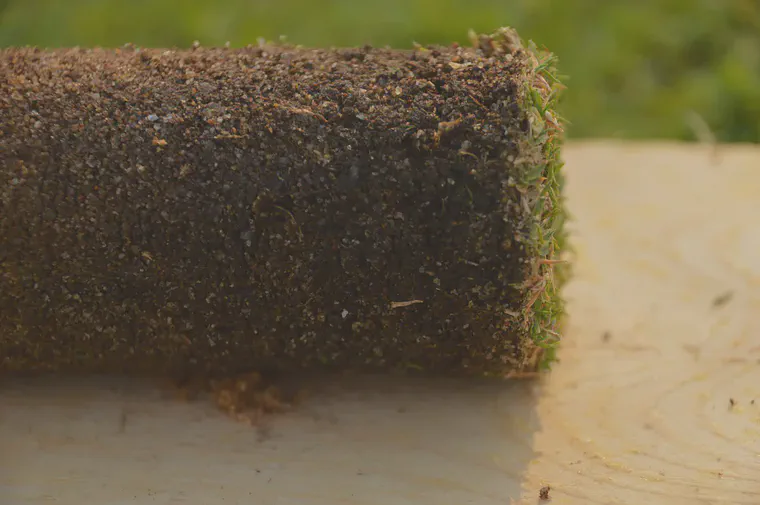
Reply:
x=723 y=299
x=219 y=210
x=248 y=397
x=543 y=493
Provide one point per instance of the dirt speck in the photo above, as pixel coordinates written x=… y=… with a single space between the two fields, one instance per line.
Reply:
x=723 y=299
x=543 y=493
x=247 y=397
x=123 y=421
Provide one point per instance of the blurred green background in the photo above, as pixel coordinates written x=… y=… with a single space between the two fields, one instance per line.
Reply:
x=636 y=69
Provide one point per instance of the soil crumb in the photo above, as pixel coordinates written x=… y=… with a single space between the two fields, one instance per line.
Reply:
x=248 y=397
x=723 y=299
x=543 y=493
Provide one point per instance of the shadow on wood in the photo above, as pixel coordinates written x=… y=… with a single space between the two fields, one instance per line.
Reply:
x=359 y=441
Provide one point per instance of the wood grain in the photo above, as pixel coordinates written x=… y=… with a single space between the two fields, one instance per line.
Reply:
x=656 y=399
x=661 y=233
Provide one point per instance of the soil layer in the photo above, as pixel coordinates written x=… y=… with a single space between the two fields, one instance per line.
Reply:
x=273 y=206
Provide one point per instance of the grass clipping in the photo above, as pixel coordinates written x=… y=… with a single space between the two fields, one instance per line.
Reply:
x=276 y=207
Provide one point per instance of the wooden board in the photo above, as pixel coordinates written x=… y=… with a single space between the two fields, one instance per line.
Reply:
x=662 y=340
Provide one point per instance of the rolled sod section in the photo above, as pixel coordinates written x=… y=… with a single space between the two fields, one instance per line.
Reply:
x=281 y=207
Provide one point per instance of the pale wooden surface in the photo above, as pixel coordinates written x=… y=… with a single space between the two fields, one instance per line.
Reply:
x=642 y=417
x=660 y=233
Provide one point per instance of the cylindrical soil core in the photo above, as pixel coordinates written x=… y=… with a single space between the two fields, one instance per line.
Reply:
x=279 y=206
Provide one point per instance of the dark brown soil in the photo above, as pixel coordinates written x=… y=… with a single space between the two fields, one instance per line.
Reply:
x=222 y=209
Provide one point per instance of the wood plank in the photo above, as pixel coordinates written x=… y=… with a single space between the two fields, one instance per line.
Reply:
x=643 y=415
x=662 y=338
